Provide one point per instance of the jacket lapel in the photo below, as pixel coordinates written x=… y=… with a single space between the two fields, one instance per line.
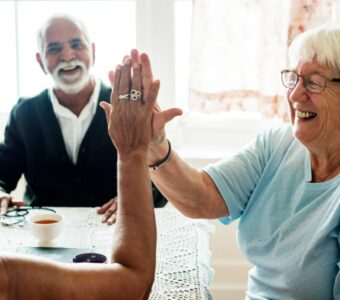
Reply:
x=98 y=124
x=50 y=125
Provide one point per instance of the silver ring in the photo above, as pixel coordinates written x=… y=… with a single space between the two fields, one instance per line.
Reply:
x=135 y=95
x=124 y=97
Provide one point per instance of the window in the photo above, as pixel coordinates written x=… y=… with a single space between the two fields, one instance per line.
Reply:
x=20 y=21
x=8 y=74
x=115 y=27
x=162 y=28
x=102 y=19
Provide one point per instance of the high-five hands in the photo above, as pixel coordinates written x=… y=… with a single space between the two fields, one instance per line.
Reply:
x=134 y=94
x=159 y=118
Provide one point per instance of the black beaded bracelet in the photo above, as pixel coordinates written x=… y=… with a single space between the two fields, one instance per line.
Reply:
x=163 y=161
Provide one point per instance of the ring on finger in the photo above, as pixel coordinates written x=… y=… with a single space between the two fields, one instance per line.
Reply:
x=135 y=95
x=124 y=97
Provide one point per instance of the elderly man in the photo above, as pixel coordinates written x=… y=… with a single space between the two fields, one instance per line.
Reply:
x=131 y=273
x=58 y=139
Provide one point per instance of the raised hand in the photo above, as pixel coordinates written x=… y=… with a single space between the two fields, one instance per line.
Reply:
x=159 y=118
x=130 y=112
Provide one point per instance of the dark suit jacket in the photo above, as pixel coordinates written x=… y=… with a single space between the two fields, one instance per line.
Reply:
x=34 y=146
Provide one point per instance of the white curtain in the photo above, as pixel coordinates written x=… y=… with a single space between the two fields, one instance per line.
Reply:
x=239 y=48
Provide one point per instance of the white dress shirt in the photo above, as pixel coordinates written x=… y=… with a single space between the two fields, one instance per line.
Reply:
x=74 y=127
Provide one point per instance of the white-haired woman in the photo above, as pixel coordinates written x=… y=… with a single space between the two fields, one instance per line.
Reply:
x=284 y=188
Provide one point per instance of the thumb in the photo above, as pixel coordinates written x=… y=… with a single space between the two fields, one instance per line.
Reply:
x=169 y=114
x=107 y=108
x=112 y=78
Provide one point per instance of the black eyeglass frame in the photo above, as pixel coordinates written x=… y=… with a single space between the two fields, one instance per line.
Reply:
x=17 y=215
x=328 y=79
x=24 y=210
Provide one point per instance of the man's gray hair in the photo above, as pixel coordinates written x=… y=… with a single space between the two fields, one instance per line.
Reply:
x=57 y=17
x=322 y=43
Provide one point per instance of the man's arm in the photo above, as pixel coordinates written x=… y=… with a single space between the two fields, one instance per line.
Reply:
x=12 y=157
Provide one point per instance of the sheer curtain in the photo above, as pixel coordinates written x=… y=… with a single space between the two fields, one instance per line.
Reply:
x=239 y=48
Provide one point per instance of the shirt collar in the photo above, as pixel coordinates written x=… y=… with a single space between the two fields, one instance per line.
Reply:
x=89 y=108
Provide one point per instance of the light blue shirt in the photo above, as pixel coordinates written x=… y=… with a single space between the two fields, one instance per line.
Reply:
x=289 y=226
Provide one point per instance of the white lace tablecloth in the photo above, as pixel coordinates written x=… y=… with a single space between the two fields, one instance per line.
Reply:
x=183 y=255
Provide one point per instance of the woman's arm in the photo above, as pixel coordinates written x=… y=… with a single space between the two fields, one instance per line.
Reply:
x=36 y=278
x=131 y=274
x=188 y=189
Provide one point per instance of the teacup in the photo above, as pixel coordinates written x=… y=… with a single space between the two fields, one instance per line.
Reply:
x=45 y=226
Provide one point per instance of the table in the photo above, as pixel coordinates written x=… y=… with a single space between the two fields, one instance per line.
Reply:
x=182 y=265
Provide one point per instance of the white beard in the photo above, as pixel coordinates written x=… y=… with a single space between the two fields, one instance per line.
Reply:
x=71 y=84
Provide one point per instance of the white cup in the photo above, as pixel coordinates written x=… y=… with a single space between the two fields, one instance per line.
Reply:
x=45 y=226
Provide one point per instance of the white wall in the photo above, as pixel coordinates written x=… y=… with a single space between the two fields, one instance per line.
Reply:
x=231 y=267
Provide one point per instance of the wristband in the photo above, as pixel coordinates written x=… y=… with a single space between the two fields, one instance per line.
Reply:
x=163 y=161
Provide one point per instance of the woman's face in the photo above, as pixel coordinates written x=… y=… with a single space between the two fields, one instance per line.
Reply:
x=315 y=117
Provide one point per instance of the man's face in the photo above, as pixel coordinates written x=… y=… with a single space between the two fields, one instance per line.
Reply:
x=67 y=56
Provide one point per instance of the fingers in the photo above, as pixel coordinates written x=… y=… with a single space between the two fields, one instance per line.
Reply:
x=125 y=79
x=134 y=56
x=136 y=88
x=107 y=108
x=171 y=113
x=157 y=107
x=125 y=58
x=5 y=203
x=109 y=210
x=161 y=118
x=152 y=97
x=147 y=77
x=105 y=207
x=18 y=203
x=146 y=64
x=115 y=92
x=112 y=219
x=112 y=78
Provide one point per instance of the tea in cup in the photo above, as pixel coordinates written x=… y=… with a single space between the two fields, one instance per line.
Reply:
x=46 y=226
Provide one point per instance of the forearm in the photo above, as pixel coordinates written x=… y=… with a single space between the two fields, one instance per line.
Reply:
x=26 y=276
x=32 y=278
x=4 y=284
x=188 y=189
x=135 y=230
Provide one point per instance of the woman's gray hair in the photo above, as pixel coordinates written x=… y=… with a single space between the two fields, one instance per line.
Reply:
x=80 y=24
x=322 y=43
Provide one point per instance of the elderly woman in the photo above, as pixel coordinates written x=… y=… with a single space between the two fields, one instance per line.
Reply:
x=284 y=188
x=131 y=274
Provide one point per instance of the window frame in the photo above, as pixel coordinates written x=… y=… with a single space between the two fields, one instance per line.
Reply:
x=187 y=132
x=148 y=39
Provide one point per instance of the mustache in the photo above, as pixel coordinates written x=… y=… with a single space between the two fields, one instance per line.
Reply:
x=70 y=64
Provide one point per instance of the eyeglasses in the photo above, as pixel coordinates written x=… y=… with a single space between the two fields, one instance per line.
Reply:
x=17 y=215
x=314 y=83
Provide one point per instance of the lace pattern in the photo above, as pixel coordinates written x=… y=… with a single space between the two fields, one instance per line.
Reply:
x=183 y=255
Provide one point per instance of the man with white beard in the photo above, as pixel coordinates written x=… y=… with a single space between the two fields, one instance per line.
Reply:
x=58 y=139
